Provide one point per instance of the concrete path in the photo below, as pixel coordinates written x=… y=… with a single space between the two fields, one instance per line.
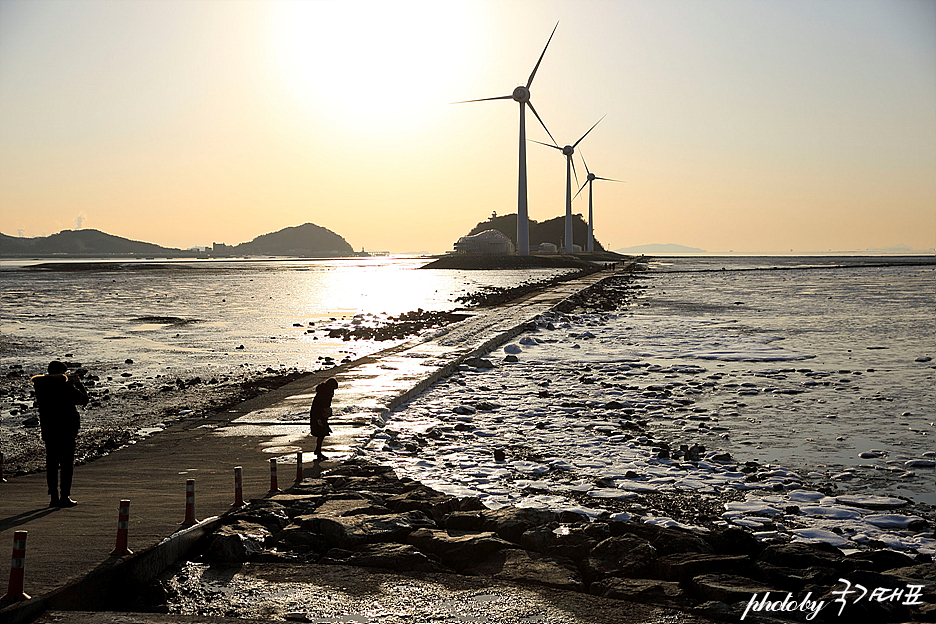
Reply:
x=65 y=544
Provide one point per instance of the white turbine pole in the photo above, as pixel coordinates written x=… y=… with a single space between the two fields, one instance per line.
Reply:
x=522 y=95
x=591 y=232
x=568 y=214
x=523 y=224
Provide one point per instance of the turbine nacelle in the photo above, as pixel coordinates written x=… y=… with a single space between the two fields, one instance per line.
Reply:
x=568 y=150
x=591 y=176
x=521 y=94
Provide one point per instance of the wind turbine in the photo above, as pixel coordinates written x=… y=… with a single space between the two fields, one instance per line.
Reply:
x=591 y=227
x=568 y=150
x=522 y=95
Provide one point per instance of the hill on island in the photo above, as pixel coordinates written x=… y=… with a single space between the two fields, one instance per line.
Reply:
x=551 y=231
x=303 y=240
x=80 y=243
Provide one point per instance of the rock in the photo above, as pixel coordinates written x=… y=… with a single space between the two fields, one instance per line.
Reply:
x=625 y=555
x=464 y=410
x=641 y=590
x=684 y=566
x=269 y=515
x=421 y=498
x=236 y=542
x=665 y=540
x=356 y=530
x=457 y=549
x=463 y=521
x=510 y=522
x=514 y=564
x=298 y=540
x=511 y=358
x=32 y=421
x=478 y=363
x=399 y=557
x=342 y=508
x=499 y=455
x=800 y=555
x=513 y=349
x=570 y=542
x=797 y=579
x=727 y=587
x=880 y=560
x=734 y=541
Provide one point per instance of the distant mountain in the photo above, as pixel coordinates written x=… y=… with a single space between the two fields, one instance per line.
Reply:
x=551 y=231
x=80 y=243
x=303 y=240
x=658 y=248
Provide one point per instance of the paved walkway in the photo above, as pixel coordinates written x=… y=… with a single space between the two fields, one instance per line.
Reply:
x=66 y=544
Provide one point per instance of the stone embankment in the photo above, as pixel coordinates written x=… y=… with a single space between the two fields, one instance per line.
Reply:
x=360 y=514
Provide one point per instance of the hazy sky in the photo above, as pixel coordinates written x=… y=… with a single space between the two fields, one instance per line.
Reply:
x=737 y=125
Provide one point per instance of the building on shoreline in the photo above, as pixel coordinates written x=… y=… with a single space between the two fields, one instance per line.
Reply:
x=486 y=243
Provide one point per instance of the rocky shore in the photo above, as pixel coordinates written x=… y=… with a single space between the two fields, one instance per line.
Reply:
x=360 y=514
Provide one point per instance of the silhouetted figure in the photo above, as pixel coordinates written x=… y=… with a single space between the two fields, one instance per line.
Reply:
x=57 y=394
x=321 y=412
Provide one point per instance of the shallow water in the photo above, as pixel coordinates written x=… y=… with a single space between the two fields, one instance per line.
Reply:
x=218 y=314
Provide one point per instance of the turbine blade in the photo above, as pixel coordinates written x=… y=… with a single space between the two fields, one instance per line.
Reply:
x=574 y=172
x=608 y=179
x=582 y=156
x=533 y=73
x=574 y=145
x=546 y=144
x=584 y=184
x=503 y=97
x=530 y=104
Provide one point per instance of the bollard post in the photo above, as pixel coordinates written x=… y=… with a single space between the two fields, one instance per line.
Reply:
x=2 y=480
x=298 y=466
x=189 y=504
x=123 y=530
x=274 y=486
x=15 y=588
x=238 y=486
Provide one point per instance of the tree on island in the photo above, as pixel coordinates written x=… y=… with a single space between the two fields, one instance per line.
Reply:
x=551 y=231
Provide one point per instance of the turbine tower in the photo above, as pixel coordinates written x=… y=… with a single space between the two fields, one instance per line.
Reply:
x=568 y=150
x=591 y=227
x=522 y=95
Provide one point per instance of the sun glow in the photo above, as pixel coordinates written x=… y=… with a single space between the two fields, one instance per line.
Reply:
x=377 y=65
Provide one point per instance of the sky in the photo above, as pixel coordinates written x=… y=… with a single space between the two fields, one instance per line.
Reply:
x=734 y=125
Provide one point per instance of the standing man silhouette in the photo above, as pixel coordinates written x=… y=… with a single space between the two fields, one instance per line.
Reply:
x=320 y=412
x=57 y=394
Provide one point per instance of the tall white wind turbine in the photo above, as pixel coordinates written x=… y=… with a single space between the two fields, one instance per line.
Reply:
x=568 y=150
x=591 y=222
x=522 y=95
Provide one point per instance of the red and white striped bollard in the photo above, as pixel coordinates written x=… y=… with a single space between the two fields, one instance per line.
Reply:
x=15 y=588
x=123 y=530
x=238 y=486
x=274 y=486
x=189 y=504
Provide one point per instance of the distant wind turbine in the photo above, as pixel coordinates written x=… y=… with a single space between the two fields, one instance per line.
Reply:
x=522 y=95
x=568 y=150
x=591 y=223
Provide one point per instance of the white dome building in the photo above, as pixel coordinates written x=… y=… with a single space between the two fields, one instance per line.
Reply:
x=486 y=243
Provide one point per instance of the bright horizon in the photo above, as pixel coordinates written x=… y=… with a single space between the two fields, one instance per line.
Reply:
x=770 y=126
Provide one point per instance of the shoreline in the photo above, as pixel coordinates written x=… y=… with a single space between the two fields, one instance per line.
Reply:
x=125 y=414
